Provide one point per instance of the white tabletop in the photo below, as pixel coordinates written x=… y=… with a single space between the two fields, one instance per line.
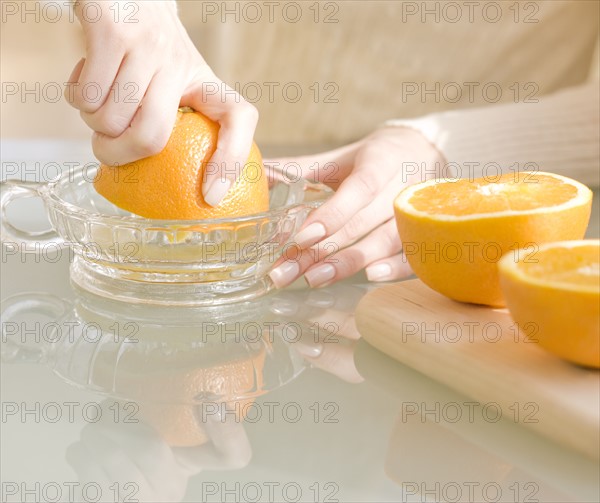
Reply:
x=327 y=416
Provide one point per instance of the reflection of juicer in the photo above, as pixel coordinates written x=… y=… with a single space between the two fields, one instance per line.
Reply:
x=170 y=360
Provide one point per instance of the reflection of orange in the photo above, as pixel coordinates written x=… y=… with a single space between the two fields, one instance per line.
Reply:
x=169 y=185
x=556 y=289
x=454 y=232
x=166 y=396
x=169 y=387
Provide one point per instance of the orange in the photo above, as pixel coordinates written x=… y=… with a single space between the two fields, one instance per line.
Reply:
x=170 y=381
x=182 y=424
x=454 y=232
x=556 y=290
x=169 y=185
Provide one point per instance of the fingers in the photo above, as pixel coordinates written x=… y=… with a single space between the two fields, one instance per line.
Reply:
x=389 y=269
x=237 y=119
x=330 y=168
x=147 y=63
x=91 y=80
x=356 y=192
x=155 y=61
x=380 y=244
x=375 y=214
x=72 y=81
x=231 y=154
x=130 y=85
x=290 y=267
x=358 y=219
x=150 y=128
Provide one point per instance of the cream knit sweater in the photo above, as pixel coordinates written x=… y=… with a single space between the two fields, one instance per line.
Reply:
x=511 y=82
x=559 y=133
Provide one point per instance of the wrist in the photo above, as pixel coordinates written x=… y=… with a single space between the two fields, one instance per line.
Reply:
x=423 y=158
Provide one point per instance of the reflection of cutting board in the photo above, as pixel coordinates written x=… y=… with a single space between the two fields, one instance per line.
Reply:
x=478 y=352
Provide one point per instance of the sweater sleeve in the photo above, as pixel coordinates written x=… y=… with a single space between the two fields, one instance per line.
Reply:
x=559 y=133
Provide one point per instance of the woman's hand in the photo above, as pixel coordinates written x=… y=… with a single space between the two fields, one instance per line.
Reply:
x=356 y=227
x=140 y=66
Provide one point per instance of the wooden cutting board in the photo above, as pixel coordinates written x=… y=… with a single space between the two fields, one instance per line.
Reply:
x=479 y=352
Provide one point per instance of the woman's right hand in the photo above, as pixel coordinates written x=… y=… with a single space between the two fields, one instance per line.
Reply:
x=140 y=66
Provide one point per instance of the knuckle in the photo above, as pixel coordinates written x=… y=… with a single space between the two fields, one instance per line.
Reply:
x=109 y=124
x=249 y=112
x=365 y=184
x=335 y=216
x=118 y=43
x=354 y=228
x=83 y=103
x=147 y=143
x=156 y=40
x=110 y=32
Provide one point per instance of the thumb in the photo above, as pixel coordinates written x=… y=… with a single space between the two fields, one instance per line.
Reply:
x=237 y=120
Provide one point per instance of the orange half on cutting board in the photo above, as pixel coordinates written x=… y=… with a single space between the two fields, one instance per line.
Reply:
x=454 y=232
x=554 y=291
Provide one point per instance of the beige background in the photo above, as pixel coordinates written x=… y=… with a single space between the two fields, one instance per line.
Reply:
x=367 y=56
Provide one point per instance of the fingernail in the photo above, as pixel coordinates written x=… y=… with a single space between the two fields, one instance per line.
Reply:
x=285 y=273
x=379 y=272
x=309 y=350
x=320 y=275
x=217 y=190
x=310 y=235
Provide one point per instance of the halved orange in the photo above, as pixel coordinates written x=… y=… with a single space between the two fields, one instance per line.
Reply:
x=454 y=231
x=168 y=185
x=556 y=290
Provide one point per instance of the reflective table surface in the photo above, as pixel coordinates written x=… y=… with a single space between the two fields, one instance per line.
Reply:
x=276 y=399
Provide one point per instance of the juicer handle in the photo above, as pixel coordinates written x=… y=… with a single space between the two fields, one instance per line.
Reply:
x=11 y=190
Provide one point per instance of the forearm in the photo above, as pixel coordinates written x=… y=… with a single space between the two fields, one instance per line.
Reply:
x=560 y=133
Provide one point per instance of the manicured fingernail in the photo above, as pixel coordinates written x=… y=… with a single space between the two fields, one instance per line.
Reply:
x=310 y=235
x=379 y=272
x=320 y=275
x=284 y=274
x=309 y=350
x=217 y=190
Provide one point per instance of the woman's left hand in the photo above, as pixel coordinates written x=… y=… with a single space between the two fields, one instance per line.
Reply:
x=356 y=228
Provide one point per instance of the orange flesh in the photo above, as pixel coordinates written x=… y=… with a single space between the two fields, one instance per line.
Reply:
x=512 y=192
x=571 y=266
